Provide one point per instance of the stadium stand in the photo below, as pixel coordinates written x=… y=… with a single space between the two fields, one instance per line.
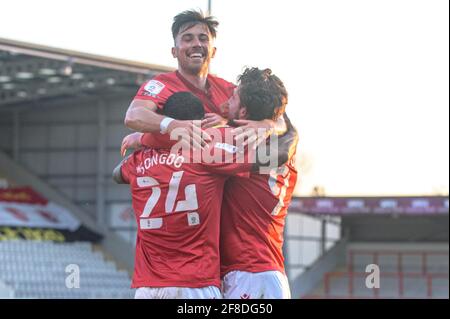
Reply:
x=40 y=270
x=43 y=255
x=417 y=270
x=61 y=125
x=404 y=239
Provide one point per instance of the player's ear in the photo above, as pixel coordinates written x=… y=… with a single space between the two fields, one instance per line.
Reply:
x=279 y=111
x=213 y=52
x=225 y=108
x=174 y=52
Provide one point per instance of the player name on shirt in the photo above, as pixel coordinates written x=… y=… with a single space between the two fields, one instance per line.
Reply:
x=220 y=153
x=159 y=159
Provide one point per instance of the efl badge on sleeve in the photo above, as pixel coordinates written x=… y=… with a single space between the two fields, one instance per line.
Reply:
x=153 y=87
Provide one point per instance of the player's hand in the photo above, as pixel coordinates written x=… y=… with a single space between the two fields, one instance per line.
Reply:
x=213 y=119
x=252 y=133
x=190 y=132
x=131 y=141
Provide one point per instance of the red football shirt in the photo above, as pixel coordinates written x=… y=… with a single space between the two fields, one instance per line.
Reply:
x=253 y=218
x=177 y=206
x=162 y=86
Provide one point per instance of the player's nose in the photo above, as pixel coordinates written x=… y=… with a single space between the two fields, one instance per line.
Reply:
x=196 y=42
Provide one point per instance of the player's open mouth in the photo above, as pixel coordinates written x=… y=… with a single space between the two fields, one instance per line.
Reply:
x=196 y=56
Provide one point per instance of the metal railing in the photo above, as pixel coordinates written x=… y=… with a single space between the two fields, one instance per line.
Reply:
x=376 y=291
x=400 y=274
x=399 y=254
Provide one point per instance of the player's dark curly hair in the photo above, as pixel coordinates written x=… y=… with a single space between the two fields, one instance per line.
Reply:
x=262 y=93
x=189 y=18
x=184 y=106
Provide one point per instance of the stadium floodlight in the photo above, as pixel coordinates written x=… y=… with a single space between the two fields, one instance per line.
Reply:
x=24 y=75
x=77 y=76
x=90 y=85
x=54 y=79
x=47 y=71
x=67 y=68
x=4 y=78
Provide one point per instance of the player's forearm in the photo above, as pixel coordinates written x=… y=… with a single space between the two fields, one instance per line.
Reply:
x=142 y=117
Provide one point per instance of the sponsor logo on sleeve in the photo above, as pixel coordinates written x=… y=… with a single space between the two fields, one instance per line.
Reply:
x=153 y=88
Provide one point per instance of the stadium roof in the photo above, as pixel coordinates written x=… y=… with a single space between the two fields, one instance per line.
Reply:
x=31 y=72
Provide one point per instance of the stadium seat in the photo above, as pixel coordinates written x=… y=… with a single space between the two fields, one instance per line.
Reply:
x=38 y=270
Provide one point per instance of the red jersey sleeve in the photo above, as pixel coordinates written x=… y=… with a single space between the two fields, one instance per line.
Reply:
x=156 y=90
x=128 y=168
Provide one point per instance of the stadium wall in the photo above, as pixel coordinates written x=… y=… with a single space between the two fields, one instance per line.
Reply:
x=60 y=142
